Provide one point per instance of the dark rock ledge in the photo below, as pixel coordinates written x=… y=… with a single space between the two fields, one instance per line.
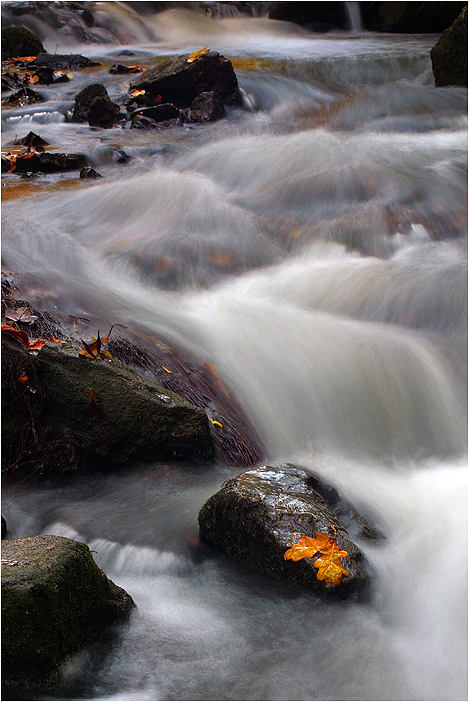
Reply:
x=73 y=412
x=55 y=601
x=257 y=516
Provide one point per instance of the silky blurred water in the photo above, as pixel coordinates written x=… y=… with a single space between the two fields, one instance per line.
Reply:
x=312 y=248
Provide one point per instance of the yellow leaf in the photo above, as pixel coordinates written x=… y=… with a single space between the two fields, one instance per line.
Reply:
x=167 y=370
x=217 y=424
x=197 y=54
x=135 y=93
x=330 y=569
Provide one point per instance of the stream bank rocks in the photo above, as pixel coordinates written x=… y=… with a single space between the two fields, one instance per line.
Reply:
x=55 y=601
x=449 y=55
x=76 y=413
x=257 y=516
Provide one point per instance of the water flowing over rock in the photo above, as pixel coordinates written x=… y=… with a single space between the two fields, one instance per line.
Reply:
x=257 y=516
x=179 y=81
x=449 y=55
x=55 y=600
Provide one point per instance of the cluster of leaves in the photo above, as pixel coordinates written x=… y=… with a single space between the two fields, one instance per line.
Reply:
x=93 y=350
x=16 y=70
x=329 y=564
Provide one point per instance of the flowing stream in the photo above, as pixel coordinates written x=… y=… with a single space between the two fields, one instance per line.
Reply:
x=312 y=248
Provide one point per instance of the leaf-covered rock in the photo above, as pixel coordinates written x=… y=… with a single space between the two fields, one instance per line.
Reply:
x=258 y=516
x=55 y=601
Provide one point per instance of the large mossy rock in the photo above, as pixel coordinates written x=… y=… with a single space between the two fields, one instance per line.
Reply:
x=55 y=601
x=19 y=41
x=317 y=16
x=449 y=55
x=257 y=516
x=418 y=17
x=178 y=82
x=74 y=412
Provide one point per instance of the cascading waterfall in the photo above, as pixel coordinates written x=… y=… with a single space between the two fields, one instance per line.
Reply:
x=312 y=250
x=354 y=16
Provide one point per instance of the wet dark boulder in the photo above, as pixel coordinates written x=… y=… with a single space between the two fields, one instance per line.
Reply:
x=93 y=105
x=4 y=527
x=316 y=16
x=55 y=601
x=104 y=113
x=62 y=62
x=19 y=41
x=207 y=107
x=78 y=413
x=256 y=517
x=418 y=17
x=50 y=162
x=449 y=55
x=179 y=81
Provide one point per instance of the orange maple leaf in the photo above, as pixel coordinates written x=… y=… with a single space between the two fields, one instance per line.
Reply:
x=329 y=564
x=307 y=547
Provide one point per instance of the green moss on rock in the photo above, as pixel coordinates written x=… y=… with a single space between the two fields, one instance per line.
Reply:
x=19 y=41
x=55 y=600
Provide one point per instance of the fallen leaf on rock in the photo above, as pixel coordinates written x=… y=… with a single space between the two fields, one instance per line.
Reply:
x=330 y=568
x=135 y=93
x=20 y=314
x=94 y=400
x=307 y=547
x=22 y=379
x=217 y=424
x=52 y=338
x=329 y=564
x=23 y=337
x=195 y=55
x=93 y=350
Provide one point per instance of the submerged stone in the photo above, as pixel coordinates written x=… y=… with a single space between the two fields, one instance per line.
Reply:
x=259 y=515
x=55 y=601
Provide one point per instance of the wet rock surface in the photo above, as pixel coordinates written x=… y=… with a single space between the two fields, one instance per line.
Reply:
x=62 y=61
x=48 y=162
x=257 y=516
x=93 y=105
x=76 y=413
x=179 y=81
x=449 y=55
x=207 y=107
x=55 y=601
